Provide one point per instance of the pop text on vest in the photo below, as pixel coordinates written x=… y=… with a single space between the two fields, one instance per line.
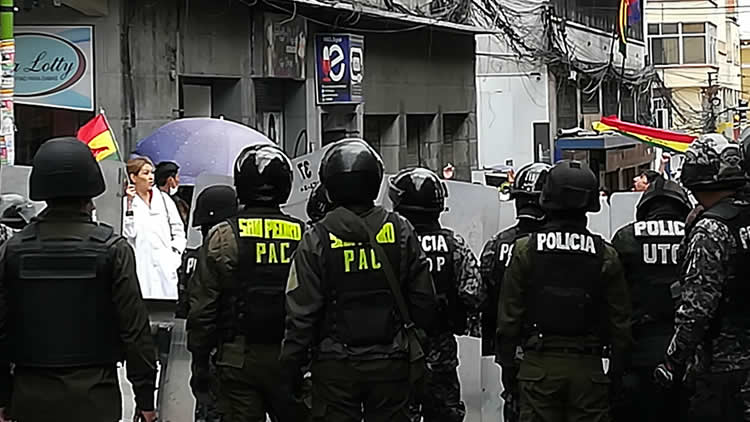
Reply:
x=432 y=245
x=558 y=241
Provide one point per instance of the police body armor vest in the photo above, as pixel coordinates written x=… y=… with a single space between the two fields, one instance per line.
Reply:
x=503 y=252
x=60 y=305
x=566 y=286
x=266 y=243
x=361 y=310
x=439 y=246
x=733 y=308
x=186 y=270
x=655 y=268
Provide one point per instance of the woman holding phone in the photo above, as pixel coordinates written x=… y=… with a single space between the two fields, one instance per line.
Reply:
x=154 y=229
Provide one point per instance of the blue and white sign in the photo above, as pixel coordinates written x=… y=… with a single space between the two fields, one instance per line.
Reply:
x=55 y=66
x=339 y=68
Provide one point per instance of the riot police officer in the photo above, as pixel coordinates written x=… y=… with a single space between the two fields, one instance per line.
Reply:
x=213 y=205
x=712 y=324
x=564 y=298
x=237 y=299
x=419 y=195
x=72 y=306
x=318 y=204
x=526 y=188
x=648 y=250
x=340 y=301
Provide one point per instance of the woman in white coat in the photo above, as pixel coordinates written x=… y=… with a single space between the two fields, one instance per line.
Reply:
x=154 y=229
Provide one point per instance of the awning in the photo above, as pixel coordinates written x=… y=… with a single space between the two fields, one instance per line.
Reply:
x=596 y=142
x=401 y=17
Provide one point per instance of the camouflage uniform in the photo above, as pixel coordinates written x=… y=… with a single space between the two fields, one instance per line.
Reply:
x=440 y=393
x=715 y=344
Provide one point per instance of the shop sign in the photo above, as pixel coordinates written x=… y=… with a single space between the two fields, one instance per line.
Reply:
x=285 y=41
x=55 y=66
x=339 y=68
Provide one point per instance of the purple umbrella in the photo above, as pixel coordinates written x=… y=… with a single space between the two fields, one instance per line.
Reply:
x=199 y=145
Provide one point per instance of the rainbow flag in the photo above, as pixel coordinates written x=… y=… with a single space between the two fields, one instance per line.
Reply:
x=672 y=141
x=98 y=136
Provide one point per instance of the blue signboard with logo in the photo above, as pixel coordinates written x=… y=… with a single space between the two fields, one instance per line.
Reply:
x=339 y=68
x=55 y=66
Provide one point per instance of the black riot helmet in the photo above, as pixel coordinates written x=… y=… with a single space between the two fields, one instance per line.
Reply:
x=745 y=143
x=214 y=204
x=662 y=191
x=526 y=189
x=318 y=204
x=65 y=168
x=570 y=186
x=712 y=163
x=351 y=172
x=263 y=175
x=16 y=211
x=418 y=190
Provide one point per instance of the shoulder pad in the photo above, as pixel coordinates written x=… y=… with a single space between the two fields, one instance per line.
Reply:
x=103 y=233
x=723 y=211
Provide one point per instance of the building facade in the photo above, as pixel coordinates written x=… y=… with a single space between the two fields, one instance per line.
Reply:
x=409 y=88
x=695 y=45
x=555 y=70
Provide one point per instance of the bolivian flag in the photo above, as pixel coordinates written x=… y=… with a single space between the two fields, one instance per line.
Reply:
x=98 y=136
x=673 y=141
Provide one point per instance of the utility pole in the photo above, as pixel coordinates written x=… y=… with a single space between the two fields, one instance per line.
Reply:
x=7 y=82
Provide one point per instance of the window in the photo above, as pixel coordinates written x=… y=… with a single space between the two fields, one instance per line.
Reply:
x=694 y=50
x=589 y=102
x=665 y=50
x=599 y=14
x=686 y=43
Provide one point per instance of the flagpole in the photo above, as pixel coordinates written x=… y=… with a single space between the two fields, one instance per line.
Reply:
x=117 y=146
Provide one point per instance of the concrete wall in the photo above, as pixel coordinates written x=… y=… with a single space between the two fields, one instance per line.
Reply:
x=165 y=40
x=145 y=48
x=511 y=98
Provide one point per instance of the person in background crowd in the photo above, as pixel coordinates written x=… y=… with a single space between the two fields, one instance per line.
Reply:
x=70 y=304
x=645 y=178
x=167 y=178
x=154 y=229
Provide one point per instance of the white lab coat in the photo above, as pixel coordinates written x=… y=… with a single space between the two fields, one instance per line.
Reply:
x=158 y=253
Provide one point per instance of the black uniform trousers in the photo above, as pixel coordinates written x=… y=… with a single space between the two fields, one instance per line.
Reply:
x=248 y=392
x=353 y=391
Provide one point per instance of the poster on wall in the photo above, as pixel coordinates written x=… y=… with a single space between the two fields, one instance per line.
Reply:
x=339 y=66
x=285 y=41
x=54 y=66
